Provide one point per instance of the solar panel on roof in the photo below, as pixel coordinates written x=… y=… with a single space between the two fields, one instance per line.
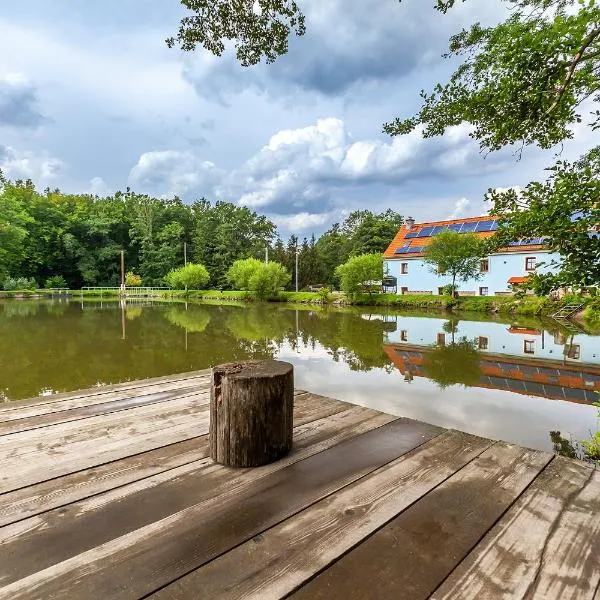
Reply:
x=402 y=249
x=484 y=225
x=469 y=227
x=414 y=250
x=426 y=231
x=494 y=226
x=455 y=227
x=438 y=229
x=411 y=234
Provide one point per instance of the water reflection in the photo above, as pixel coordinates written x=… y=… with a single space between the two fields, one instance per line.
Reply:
x=515 y=381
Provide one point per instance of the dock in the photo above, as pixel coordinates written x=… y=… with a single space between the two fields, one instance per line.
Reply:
x=109 y=493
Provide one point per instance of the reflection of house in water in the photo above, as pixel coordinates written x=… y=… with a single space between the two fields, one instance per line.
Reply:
x=526 y=361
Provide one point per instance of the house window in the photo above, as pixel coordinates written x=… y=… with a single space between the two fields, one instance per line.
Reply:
x=484 y=265
x=404 y=268
x=573 y=351
x=529 y=346
x=482 y=343
x=530 y=263
x=404 y=335
x=560 y=338
x=404 y=290
x=483 y=291
x=441 y=340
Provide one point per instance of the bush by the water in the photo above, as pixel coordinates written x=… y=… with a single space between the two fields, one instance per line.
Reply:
x=265 y=280
x=192 y=276
x=56 y=281
x=12 y=284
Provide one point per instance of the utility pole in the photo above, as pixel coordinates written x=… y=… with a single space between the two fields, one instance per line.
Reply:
x=123 y=270
x=297 y=252
x=185 y=254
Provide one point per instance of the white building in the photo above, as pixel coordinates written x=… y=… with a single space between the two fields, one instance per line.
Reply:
x=404 y=259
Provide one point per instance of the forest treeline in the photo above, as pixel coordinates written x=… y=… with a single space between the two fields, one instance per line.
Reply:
x=79 y=237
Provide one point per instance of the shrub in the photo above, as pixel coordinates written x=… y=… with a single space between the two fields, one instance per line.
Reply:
x=324 y=294
x=267 y=280
x=241 y=271
x=193 y=276
x=132 y=280
x=355 y=274
x=56 y=281
x=12 y=284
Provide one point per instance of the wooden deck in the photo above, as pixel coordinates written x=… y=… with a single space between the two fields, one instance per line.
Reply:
x=109 y=493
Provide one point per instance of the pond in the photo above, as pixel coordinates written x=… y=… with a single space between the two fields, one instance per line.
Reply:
x=528 y=382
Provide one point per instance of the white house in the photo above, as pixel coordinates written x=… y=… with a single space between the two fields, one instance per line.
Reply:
x=403 y=259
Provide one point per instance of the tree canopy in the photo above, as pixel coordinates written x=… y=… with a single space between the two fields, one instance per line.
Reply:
x=356 y=274
x=455 y=254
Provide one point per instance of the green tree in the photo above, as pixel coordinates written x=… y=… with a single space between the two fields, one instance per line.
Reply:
x=355 y=274
x=132 y=280
x=241 y=271
x=267 y=280
x=455 y=254
x=192 y=276
x=564 y=210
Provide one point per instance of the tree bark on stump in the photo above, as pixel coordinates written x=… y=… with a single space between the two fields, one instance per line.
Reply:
x=251 y=412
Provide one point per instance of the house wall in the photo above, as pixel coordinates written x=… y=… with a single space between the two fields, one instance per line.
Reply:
x=501 y=268
x=420 y=331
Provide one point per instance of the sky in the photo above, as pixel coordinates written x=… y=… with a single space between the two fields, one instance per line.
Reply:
x=92 y=100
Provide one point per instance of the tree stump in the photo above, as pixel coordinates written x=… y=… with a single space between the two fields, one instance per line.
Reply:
x=251 y=412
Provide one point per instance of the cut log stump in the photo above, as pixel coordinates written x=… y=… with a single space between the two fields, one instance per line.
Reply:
x=251 y=412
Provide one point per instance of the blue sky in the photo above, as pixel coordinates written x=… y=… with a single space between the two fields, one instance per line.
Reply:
x=92 y=100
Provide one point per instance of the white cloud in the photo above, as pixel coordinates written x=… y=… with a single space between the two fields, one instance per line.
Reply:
x=301 y=221
x=42 y=169
x=174 y=173
x=460 y=207
x=300 y=167
x=98 y=187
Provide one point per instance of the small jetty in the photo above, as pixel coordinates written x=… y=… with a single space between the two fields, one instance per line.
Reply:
x=110 y=493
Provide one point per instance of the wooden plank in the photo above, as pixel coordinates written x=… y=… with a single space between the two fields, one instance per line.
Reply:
x=415 y=552
x=311 y=407
x=63 y=449
x=570 y=567
x=156 y=555
x=50 y=404
x=506 y=563
x=102 y=408
x=104 y=389
x=32 y=500
x=311 y=429
x=38 y=542
x=276 y=562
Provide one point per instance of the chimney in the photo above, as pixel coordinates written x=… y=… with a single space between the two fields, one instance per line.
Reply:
x=410 y=222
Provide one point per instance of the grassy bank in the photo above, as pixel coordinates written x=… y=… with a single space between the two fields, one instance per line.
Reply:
x=529 y=306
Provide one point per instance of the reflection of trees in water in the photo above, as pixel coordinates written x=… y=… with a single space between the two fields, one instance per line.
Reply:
x=133 y=312
x=20 y=308
x=260 y=323
x=455 y=363
x=193 y=320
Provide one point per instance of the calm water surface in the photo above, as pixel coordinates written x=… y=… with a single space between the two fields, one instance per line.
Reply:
x=517 y=381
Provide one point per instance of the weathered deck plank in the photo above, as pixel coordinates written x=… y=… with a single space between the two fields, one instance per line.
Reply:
x=154 y=556
x=56 y=453
x=38 y=542
x=95 y=410
x=20 y=409
x=280 y=559
x=415 y=552
x=507 y=562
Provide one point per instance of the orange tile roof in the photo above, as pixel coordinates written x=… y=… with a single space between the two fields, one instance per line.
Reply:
x=399 y=240
x=517 y=279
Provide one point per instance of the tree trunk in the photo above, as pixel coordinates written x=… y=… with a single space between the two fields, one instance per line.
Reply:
x=251 y=412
